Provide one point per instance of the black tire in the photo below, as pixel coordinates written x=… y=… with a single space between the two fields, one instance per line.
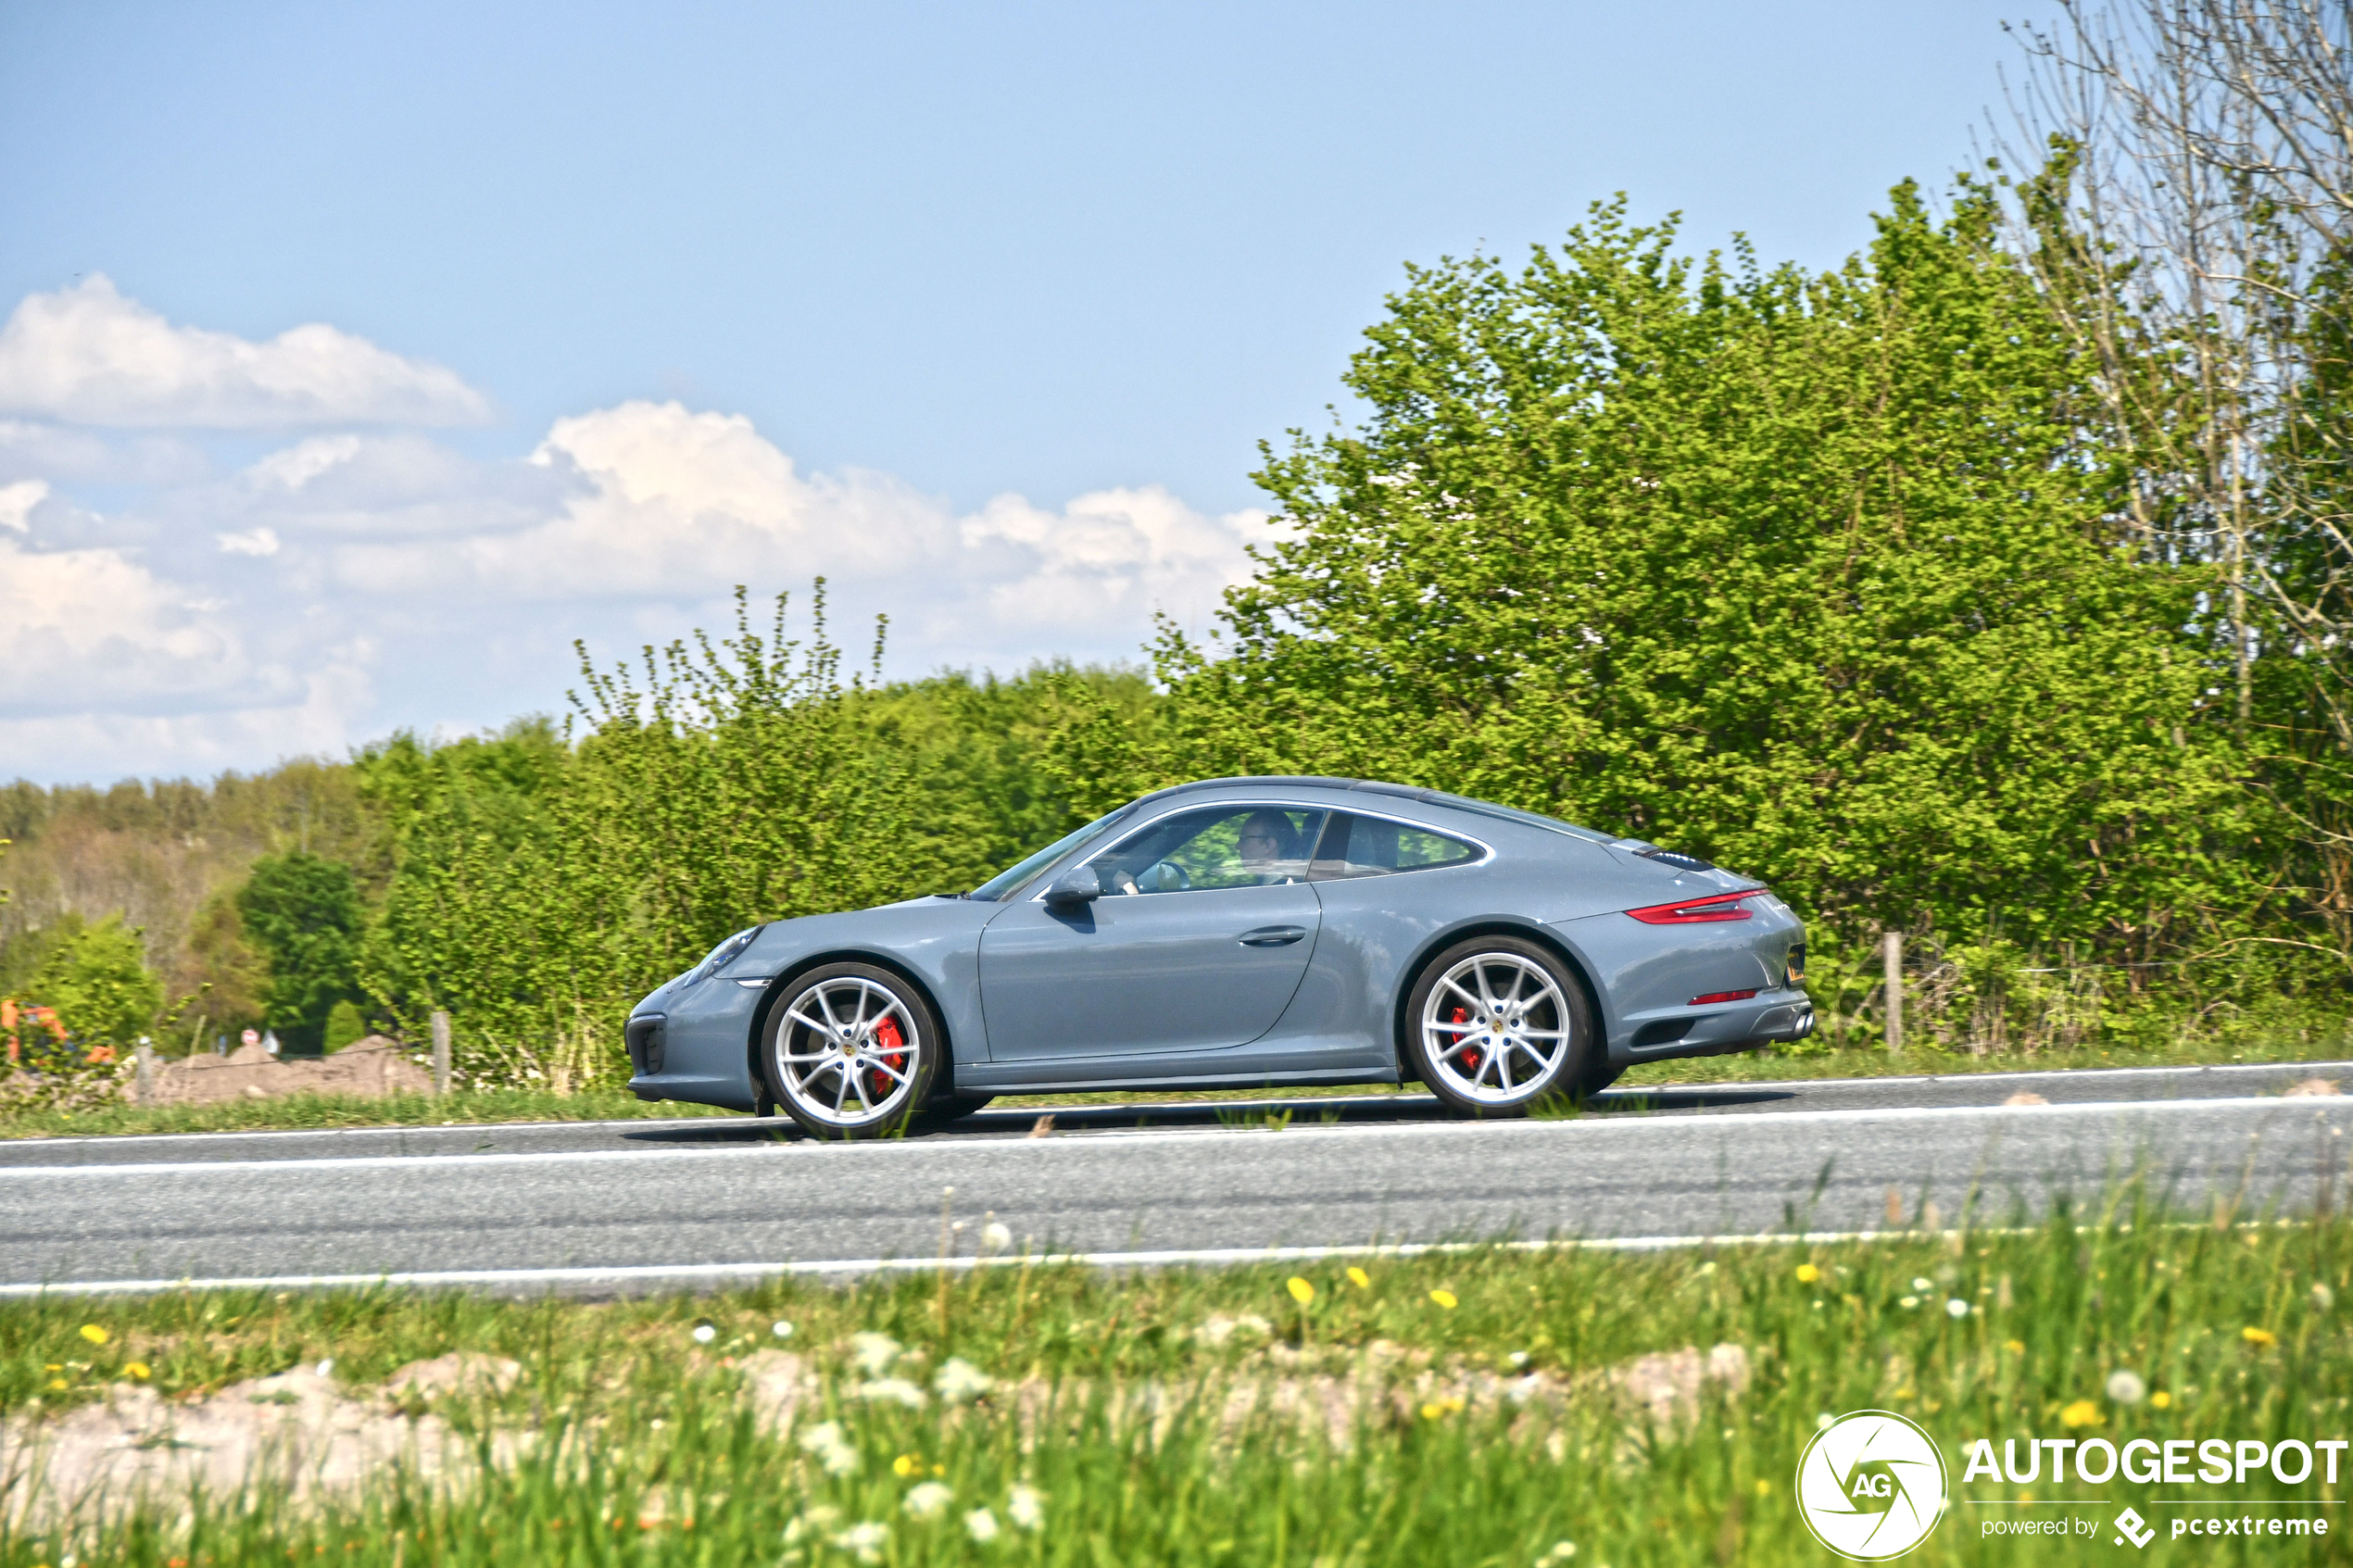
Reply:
x=851 y=1051
x=1600 y=1077
x=1479 y=1022
x=947 y=1109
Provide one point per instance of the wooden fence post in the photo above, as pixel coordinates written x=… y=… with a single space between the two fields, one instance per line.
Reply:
x=146 y=1058
x=1895 y=991
x=440 y=1052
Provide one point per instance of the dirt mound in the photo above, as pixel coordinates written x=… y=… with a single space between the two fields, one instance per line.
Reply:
x=372 y=1066
x=299 y=1431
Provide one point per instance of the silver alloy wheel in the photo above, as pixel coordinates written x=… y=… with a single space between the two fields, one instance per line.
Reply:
x=1496 y=1028
x=849 y=1050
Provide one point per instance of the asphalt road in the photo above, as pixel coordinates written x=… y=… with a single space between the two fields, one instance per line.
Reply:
x=599 y=1206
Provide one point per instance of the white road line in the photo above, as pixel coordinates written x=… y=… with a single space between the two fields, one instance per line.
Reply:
x=973 y=1147
x=721 y=1274
x=2306 y=1067
x=724 y=1273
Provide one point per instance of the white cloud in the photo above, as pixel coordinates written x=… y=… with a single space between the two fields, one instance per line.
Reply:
x=322 y=720
x=93 y=631
x=225 y=613
x=17 y=500
x=671 y=504
x=88 y=356
x=252 y=542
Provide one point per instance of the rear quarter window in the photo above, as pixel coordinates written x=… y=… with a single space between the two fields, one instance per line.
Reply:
x=1359 y=846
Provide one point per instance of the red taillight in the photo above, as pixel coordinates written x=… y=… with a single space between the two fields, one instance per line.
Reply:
x=1695 y=911
x=1720 y=996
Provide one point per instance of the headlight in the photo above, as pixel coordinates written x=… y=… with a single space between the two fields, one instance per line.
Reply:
x=725 y=953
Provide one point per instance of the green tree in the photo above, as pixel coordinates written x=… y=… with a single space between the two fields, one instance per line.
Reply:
x=98 y=983
x=1816 y=576
x=303 y=911
x=219 y=971
x=724 y=782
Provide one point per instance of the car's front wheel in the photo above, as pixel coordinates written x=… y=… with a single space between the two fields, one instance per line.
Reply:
x=1499 y=1025
x=852 y=1051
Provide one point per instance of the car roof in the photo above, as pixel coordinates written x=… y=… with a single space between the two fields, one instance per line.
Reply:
x=1394 y=791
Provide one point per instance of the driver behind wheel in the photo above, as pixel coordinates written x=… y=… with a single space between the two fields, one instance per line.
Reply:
x=1268 y=850
x=1267 y=839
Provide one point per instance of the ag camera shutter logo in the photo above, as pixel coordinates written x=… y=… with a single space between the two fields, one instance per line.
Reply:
x=1871 y=1486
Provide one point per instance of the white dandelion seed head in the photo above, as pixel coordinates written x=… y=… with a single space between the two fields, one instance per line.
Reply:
x=705 y=1334
x=894 y=1390
x=928 y=1500
x=981 y=1525
x=995 y=1237
x=810 y=1520
x=2124 y=1385
x=1026 y=1506
x=873 y=1352
x=1955 y=1308
x=865 y=1540
x=782 y=1329
x=960 y=1380
x=1923 y=1285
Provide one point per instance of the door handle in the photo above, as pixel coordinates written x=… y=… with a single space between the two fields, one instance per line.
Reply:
x=1273 y=935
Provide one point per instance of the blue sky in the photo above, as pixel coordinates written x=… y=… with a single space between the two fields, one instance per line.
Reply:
x=973 y=308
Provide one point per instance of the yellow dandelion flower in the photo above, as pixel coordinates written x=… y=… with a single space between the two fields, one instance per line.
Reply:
x=1808 y=1274
x=2083 y=1412
x=1301 y=1291
x=1764 y=1488
x=1445 y=1299
x=2258 y=1336
x=905 y=1465
x=96 y=1335
x=2015 y=1346
x=2161 y=1399
x=139 y=1370
x=1360 y=1279
x=1433 y=1412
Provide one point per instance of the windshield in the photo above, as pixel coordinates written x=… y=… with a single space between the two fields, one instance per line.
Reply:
x=1011 y=880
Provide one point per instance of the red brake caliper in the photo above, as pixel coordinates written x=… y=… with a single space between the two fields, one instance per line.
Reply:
x=1470 y=1058
x=894 y=1046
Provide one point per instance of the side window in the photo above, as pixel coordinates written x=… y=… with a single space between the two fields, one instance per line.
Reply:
x=1355 y=847
x=1214 y=846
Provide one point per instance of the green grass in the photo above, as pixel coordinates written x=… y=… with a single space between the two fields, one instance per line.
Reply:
x=623 y=1388
x=295 y=1112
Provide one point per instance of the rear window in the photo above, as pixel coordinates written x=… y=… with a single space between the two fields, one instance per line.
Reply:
x=1357 y=847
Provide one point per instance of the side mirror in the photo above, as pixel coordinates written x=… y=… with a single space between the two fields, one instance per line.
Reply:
x=1076 y=885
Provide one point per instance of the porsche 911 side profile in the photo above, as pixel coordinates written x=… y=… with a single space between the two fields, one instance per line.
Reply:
x=1240 y=933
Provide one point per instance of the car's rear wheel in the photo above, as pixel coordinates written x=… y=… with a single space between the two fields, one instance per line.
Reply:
x=1497 y=1024
x=852 y=1051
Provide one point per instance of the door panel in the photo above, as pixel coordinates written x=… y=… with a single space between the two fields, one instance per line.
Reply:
x=1199 y=971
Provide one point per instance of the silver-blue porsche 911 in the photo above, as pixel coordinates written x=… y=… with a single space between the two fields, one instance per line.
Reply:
x=1239 y=933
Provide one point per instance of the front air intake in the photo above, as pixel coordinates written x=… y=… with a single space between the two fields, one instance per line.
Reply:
x=645 y=1037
